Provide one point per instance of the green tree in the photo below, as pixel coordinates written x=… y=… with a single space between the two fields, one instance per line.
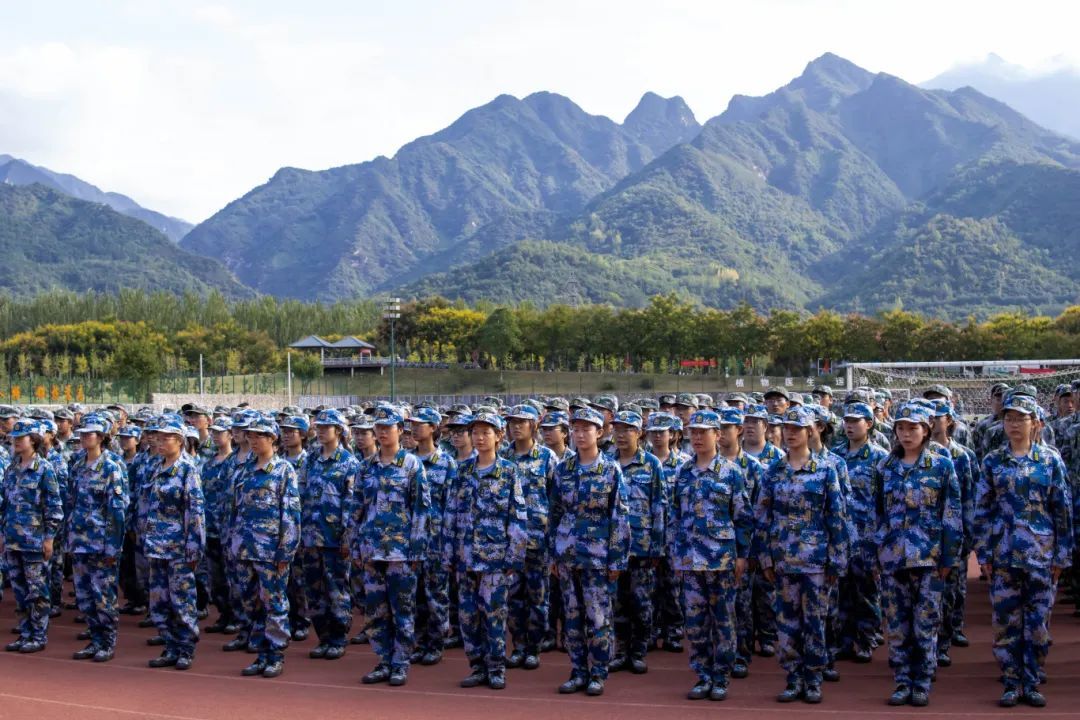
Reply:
x=499 y=336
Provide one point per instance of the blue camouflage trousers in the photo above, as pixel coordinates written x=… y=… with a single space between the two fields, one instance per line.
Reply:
x=297 y=594
x=483 y=612
x=55 y=571
x=709 y=600
x=390 y=599
x=1022 y=601
x=911 y=601
x=667 y=603
x=634 y=593
x=860 y=606
x=237 y=580
x=432 y=607
x=267 y=607
x=173 y=598
x=764 y=609
x=953 y=601
x=744 y=618
x=587 y=619
x=26 y=570
x=96 y=583
x=326 y=583
x=802 y=605
x=530 y=604
x=218 y=578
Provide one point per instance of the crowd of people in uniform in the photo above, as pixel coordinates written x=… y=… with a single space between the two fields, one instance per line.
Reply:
x=781 y=524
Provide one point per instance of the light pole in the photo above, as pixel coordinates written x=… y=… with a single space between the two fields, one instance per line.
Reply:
x=392 y=313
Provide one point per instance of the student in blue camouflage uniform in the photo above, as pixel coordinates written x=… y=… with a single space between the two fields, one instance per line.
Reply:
x=433 y=596
x=663 y=430
x=174 y=540
x=96 y=536
x=756 y=443
x=294 y=431
x=31 y=510
x=860 y=597
x=955 y=593
x=239 y=465
x=326 y=481
x=484 y=539
x=647 y=502
x=265 y=536
x=200 y=418
x=730 y=447
x=1023 y=539
x=919 y=538
x=55 y=566
x=217 y=503
x=388 y=527
x=134 y=568
x=528 y=591
x=590 y=544
x=982 y=428
x=709 y=533
x=555 y=431
x=801 y=538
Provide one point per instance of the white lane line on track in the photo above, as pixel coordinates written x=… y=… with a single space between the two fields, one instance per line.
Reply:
x=102 y=708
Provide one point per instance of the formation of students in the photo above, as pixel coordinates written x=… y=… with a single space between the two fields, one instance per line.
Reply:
x=776 y=525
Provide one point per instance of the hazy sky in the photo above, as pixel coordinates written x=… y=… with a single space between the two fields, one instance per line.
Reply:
x=186 y=106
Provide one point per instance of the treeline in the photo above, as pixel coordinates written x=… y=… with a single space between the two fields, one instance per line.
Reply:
x=137 y=335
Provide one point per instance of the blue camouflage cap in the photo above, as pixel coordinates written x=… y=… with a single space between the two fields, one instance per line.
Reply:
x=169 y=425
x=426 y=415
x=459 y=420
x=859 y=411
x=487 y=419
x=523 y=412
x=704 y=419
x=913 y=412
x=776 y=420
x=222 y=424
x=133 y=431
x=332 y=417
x=386 y=415
x=660 y=421
x=756 y=410
x=555 y=418
x=587 y=415
x=942 y=408
x=820 y=413
x=24 y=427
x=731 y=416
x=93 y=423
x=298 y=422
x=627 y=417
x=1021 y=403
x=800 y=416
x=48 y=425
x=264 y=426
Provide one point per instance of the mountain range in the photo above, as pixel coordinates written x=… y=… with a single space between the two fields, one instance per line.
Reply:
x=14 y=171
x=843 y=189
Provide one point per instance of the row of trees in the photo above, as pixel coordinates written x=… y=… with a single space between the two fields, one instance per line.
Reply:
x=137 y=335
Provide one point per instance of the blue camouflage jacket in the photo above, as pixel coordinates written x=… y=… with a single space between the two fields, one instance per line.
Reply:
x=589 y=515
x=266 y=526
x=390 y=509
x=646 y=504
x=919 y=523
x=864 y=478
x=711 y=522
x=486 y=519
x=98 y=516
x=441 y=471
x=967 y=471
x=800 y=519
x=326 y=486
x=1023 y=513
x=175 y=524
x=30 y=506
x=536 y=469
x=217 y=491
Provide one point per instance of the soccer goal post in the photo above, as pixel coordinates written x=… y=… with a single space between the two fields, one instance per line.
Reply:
x=969 y=380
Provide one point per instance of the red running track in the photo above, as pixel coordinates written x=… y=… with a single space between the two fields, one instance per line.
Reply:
x=50 y=685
